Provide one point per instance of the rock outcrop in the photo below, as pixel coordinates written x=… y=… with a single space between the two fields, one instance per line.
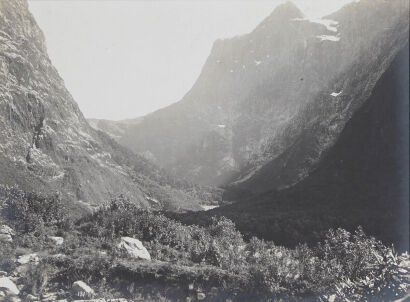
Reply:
x=47 y=145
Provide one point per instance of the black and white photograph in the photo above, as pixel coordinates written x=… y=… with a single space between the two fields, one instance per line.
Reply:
x=204 y=150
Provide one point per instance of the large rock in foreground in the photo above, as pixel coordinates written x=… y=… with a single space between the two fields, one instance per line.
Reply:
x=82 y=290
x=133 y=248
x=8 y=286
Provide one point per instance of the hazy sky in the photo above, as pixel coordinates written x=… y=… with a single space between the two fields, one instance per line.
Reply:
x=123 y=59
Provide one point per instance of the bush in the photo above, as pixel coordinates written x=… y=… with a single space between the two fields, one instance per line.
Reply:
x=343 y=266
x=32 y=212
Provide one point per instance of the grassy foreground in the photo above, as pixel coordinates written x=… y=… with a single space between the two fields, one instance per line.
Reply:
x=187 y=261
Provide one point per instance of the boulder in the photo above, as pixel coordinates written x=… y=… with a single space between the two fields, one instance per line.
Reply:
x=8 y=287
x=8 y=298
x=56 y=240
x=134 y=248
x=200 y=296
x=6 y=238
x=82 y=290
x=31 y=298
x=28 y=258
x=5 y=229
x=49 y=297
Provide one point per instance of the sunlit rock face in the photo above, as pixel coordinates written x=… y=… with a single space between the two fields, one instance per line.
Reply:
x=258 y=93
x=45 y=142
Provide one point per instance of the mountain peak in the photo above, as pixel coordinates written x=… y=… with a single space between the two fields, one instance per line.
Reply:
x=282 y=13
x=287 y=10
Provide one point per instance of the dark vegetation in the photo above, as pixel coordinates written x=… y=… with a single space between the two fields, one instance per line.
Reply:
x=214 y=259
x=362 y=180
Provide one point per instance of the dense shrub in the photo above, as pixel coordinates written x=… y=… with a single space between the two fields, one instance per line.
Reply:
x=32 y=212
x=343 y=266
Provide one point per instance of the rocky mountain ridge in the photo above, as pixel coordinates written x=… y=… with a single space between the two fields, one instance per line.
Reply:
x=361 y=180
x=258 y=94
x=47 y=145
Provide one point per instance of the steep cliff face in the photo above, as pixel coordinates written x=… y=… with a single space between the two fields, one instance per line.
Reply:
x=46 y=143
x=369 y=49
x=362 y=179
x=259 y=94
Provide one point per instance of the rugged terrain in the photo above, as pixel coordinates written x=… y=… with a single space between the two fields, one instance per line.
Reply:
x=361 y=180
x=313 y=144
x=268 y=104
x=47 y=145
x=122 y=253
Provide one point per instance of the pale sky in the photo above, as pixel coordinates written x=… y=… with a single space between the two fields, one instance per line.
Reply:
x=124 y=59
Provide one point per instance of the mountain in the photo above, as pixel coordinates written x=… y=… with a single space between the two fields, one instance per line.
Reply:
x=295 y=153
x=115 y=129
x=268 y=104
x=362 y=179
x=47 y=145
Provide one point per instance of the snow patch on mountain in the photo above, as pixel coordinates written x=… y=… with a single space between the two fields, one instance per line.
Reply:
x=328 y=38
x=335 y=94
x=330 y=25
x=207 y=208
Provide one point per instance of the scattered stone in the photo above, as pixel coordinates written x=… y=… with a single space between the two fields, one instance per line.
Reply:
x=200 y=296
x=117 y=300
x=49 y=297
x=5 y=229
x=59 y=256
x=134 y=248
x=82 y=290
x=56 y=240
x=29 y=258
x=31 y=298
x=92 y=300
x=6 y=238
x=8 y=286
x=191 y=286
x=102 y=253
x=10 y=299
